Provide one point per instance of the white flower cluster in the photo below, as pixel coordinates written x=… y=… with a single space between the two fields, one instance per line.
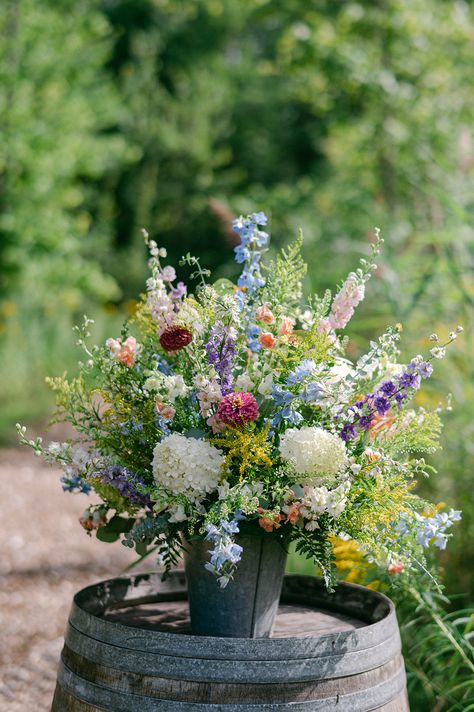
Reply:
x=315 y=454
x=317 y=500
x=171 y=386
x=187 y=466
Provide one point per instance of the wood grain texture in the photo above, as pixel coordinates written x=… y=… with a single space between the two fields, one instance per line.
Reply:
x=128 y=648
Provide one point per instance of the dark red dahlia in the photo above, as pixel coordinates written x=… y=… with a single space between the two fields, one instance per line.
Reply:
x=175 y=338
x=237 y=408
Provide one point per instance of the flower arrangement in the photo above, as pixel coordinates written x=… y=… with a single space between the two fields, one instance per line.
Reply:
x=236 y=407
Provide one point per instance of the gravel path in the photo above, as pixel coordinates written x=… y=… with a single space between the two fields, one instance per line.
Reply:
x=45 y=557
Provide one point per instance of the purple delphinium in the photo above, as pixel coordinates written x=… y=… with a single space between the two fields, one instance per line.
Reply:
x=220 y=349
x=395 y=391
x=381 y=404
x=126 y=483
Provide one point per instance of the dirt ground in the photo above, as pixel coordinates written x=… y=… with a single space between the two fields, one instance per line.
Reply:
x=45 y=557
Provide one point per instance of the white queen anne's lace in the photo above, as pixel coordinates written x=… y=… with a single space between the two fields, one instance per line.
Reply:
x=314 y=453
x=187 y=466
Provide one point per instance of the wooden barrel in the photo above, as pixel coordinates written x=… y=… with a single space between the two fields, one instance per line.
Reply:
x=128 y=648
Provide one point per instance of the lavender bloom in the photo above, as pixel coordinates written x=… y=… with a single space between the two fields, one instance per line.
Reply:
x=221 y=352
x=409 y=380
x=365 y=421
x=125 y=482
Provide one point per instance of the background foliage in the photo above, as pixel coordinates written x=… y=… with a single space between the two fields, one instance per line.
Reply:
x=173 y=114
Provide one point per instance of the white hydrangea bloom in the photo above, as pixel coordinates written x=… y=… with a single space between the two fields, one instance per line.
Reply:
x=315 y=454
x=187 y=466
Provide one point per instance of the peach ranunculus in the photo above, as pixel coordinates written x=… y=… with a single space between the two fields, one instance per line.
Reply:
x=267 y=340
x=396 y=568
x=286 y=326
x=265 y=315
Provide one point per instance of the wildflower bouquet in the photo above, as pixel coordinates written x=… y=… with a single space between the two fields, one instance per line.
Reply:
x=235 y=408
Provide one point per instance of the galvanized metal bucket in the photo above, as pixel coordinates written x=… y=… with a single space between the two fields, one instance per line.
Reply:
x=247 y=606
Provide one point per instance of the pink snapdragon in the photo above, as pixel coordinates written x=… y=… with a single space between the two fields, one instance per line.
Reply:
x=349 y=296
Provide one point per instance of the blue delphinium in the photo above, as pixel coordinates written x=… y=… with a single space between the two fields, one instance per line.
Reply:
x=429 y=529
x=74 y=483
x=392 y=392
x=249 y=251
x=226 y=553
x=306 y=368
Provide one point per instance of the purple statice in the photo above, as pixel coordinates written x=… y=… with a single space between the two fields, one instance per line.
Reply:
x=249 y=251
x=220 y=349
x=127 y=484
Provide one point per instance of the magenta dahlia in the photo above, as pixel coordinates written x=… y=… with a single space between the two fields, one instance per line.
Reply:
x=175 y=338
x=237 y=408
